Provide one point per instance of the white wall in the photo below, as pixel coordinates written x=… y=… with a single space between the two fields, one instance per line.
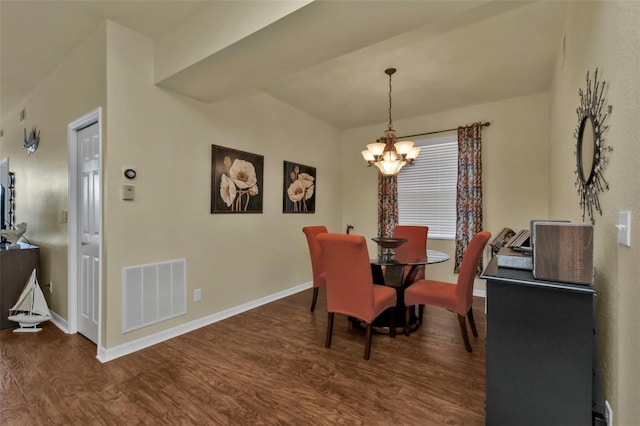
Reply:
x=515 y=168
x=76 y=87
x=605 y=35
x=212 y=28
x=233 y=258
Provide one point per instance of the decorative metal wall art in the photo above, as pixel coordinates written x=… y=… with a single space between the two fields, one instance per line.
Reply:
x=31 y=144
x=590 y=150
x=10 y=217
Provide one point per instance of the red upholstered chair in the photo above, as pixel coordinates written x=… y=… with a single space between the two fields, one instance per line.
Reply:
x=316 y=260
x=350 y=287
x=457 y=298
x=415 y=247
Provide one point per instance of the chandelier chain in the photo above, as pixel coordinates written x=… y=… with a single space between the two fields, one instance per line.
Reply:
x=390 y=122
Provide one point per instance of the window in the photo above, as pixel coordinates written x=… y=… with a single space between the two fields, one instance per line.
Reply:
x=427 y=189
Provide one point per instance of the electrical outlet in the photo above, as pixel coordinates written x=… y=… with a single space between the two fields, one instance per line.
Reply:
x=63 y=216
x=50 y=286
x=608 y=413
x=197 y=294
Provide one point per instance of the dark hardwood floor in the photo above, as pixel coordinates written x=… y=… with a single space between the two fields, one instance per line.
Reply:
x=267 y=366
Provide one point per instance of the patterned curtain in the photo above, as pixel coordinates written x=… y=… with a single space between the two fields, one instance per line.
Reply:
x=469 y=199
x=387 y=206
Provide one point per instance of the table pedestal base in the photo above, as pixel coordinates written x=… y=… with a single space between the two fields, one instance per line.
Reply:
x=381 y=325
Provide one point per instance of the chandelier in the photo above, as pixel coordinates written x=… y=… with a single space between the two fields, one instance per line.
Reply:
x=386 y=154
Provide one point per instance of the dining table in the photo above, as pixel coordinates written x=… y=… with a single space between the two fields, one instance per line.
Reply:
x=393 y=275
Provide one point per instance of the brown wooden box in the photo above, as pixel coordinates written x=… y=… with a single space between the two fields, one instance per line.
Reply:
x=563 y=252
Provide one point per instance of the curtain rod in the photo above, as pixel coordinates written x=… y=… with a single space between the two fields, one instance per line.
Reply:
x=485 y=124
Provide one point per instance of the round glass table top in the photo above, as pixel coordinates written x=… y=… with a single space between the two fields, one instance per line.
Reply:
x=431 y=257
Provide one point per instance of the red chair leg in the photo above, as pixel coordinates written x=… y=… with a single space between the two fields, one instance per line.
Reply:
x=463 y=330
x=367 y=342
x=420 y=313
x=327 y=343
x=472 y=323
x=314 y=299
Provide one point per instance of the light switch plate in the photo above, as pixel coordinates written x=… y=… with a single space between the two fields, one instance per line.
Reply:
x=624 y=228
x=128 y=192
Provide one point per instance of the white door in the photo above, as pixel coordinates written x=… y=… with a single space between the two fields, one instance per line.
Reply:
x=89 y=231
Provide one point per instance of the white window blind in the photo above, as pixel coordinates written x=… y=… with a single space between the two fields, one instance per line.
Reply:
x=427 y=189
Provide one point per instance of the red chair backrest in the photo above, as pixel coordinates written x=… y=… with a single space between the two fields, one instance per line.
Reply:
x=469 y=267
x=348 y=270
x=415 y=248
x=417 y=244
x=314 y=249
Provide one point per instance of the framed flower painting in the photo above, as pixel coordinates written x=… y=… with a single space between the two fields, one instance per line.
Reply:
x=236 y=181
x=299 y=191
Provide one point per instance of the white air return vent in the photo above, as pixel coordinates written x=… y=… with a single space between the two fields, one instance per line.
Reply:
x=153 y=293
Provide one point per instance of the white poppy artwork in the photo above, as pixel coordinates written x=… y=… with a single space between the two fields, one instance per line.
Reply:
x=236 y=181
x=299 y=188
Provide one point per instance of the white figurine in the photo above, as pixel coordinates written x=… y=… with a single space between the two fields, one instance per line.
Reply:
x=13 y=236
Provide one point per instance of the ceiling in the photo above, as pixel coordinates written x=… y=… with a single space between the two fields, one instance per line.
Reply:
x=449 y=54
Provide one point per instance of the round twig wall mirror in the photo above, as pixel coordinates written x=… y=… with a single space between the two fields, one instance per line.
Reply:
x=591 y=151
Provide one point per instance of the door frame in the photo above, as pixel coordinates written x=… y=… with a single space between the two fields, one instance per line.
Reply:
x=74 y=222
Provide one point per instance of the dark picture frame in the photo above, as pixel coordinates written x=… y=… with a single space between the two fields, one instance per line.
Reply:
x=237 y=179
x=299 y=188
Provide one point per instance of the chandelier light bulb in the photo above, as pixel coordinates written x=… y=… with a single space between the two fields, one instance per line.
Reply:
x=403 y=147
x=413 y=153
x=376 y=148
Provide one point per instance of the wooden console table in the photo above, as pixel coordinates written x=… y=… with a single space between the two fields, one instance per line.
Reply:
x=16 y=266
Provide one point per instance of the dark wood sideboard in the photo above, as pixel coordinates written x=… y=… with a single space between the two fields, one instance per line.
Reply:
x=541 y=350
x=16 y=266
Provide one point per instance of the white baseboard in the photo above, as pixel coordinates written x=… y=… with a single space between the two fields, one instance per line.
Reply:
x=109 y=354
x=480 y=293
x=60 y=322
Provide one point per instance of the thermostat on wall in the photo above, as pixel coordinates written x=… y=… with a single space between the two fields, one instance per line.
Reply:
x=130 y=174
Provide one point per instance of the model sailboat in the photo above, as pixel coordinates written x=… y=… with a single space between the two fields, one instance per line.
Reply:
x=31 y=308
